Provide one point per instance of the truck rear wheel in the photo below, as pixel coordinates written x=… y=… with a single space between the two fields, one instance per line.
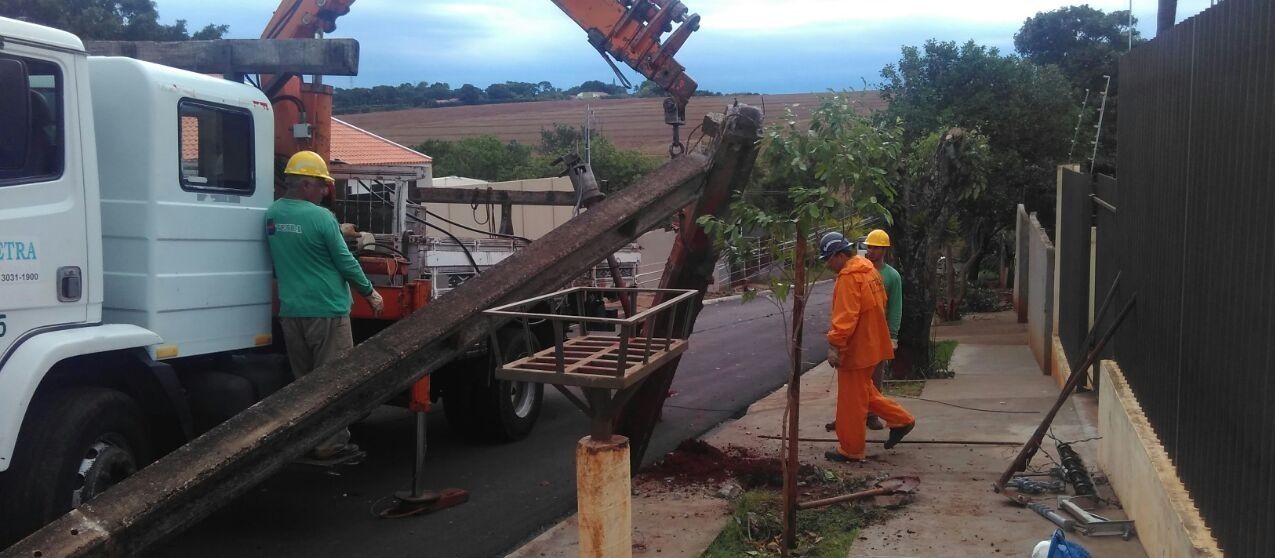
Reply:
x=497 y=410
x=75 y=444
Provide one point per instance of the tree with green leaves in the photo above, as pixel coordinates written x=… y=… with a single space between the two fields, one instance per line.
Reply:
x=836 y=173
x=481 y=157
x=1085 y=44
x=106 y=20
x=1025 y=113
x=490 y=158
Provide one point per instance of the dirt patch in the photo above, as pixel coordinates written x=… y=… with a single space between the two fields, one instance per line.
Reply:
x=698 y=462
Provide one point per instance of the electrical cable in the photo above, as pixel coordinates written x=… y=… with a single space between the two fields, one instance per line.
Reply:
x=470 y=229
x=300 y=105
x=968 y=408
x=468 y=255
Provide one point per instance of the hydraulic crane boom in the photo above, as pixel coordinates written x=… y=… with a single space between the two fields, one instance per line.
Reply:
x=627 y=30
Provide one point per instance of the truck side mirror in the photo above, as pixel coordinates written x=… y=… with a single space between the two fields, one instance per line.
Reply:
x=15 y=114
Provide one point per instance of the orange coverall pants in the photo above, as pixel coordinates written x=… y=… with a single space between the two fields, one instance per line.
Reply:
x=856 y=396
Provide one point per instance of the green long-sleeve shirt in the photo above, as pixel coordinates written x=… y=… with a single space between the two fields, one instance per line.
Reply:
x=312 y=264
x=893 y=298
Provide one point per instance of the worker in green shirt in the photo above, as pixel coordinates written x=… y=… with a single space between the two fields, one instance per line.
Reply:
x=314 y=271
x=878 y=248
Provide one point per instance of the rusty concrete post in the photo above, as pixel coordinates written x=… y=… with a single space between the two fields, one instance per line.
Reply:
x=604 y=497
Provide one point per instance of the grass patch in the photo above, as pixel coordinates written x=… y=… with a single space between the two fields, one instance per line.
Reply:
x=942 y=351
x=756 y=525
x=905 y=388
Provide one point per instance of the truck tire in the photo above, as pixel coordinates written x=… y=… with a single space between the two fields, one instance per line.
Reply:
x=77 y=442
x=495 y=410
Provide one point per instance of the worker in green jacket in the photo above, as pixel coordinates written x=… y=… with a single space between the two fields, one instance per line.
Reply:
x=314 y=271
x=878 y=248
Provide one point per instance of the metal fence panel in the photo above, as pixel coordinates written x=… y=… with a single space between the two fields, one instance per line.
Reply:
x=1075 y=218
x=1194 y=237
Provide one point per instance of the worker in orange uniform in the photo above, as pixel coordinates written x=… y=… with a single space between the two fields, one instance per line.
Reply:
x=858 y=340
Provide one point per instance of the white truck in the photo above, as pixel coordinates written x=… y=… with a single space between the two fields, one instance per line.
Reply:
x=135 y=284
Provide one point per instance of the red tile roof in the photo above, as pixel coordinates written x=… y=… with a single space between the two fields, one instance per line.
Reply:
x=355 y=146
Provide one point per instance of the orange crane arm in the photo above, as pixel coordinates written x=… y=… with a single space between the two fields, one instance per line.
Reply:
x=630 y=32
x=303 y=19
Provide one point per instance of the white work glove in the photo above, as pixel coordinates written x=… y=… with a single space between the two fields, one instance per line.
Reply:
x=834 y=358
x=894 y=343
x=349 y=231
x=376 y=302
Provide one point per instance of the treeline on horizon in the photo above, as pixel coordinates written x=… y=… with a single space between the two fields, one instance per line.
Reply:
x=438 y=94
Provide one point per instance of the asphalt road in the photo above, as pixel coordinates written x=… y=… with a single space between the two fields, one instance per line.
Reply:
x=737 y=356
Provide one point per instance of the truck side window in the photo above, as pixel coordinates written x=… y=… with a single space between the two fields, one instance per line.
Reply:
x=216 y=148
x=45 y=152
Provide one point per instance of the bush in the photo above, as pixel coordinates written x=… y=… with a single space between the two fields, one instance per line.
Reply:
x=979 y=299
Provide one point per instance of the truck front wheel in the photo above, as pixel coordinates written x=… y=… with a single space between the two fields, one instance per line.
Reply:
x=74 y=444
x=481 y=406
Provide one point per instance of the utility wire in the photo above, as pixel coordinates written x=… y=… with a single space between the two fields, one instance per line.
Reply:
x=968 y=408
x=470 y=229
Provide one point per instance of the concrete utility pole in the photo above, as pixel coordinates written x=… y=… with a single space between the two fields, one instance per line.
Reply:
x=1167 y=14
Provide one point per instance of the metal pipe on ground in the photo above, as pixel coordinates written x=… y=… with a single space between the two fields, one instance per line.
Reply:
x=196 y=479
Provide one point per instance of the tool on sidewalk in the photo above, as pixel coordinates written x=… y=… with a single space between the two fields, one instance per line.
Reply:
x=907 y=441
x=1029 y=486
x=1094 y=525
x=1075 y=471
x=1063 y=522
x=1077 y=373
x=418 y=500
x=892 y=485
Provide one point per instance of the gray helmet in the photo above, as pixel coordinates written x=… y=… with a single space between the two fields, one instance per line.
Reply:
x=833 y=243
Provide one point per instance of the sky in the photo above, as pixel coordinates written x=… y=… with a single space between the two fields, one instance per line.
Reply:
x=763 y=46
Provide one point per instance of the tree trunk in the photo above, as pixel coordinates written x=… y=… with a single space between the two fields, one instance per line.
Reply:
x=794 y=391
x=921 y=214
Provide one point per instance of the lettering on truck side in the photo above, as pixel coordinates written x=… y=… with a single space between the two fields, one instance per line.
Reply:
x=19 y=262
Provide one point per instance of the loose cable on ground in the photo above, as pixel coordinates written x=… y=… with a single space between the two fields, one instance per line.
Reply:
x=968 y=408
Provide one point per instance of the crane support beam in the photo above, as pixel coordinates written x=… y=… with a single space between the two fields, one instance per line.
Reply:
x=210 y=471
x=484 y=196
x=329 y=57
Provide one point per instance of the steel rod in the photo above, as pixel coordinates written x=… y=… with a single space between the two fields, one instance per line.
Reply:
x=1029 y=449
x=842 y=498
x=908 y=441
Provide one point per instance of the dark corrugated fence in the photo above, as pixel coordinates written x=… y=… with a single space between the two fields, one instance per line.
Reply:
x=1072 y=243
x=1194 y=237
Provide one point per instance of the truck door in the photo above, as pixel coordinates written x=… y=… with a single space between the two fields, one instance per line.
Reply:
x=43 y=244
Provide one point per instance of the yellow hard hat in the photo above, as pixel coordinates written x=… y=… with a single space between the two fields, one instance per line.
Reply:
x=308 y=163
x=878 y=237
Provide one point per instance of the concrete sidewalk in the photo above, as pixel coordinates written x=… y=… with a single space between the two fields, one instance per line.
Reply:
x=955 y=512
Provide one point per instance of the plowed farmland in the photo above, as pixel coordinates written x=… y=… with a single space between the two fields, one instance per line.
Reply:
x=628 y=123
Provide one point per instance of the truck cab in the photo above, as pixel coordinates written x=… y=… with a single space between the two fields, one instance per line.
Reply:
x=132 y=256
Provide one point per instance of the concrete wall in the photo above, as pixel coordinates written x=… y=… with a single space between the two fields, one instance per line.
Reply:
x=1144 y=477
x=1040 y=282
x=1022 y=226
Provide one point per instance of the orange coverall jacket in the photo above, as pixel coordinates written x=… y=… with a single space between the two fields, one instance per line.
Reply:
x=858 y=328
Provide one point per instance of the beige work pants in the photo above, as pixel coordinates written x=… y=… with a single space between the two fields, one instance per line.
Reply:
x=314 y=342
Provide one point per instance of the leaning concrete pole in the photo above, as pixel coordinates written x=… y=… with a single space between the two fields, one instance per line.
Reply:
x=694 y=255
x=210 y=471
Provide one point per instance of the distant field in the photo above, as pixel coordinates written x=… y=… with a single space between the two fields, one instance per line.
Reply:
x=628 y=123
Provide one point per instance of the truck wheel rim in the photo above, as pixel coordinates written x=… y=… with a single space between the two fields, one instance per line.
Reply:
x=523 y=396
x=106 y=463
